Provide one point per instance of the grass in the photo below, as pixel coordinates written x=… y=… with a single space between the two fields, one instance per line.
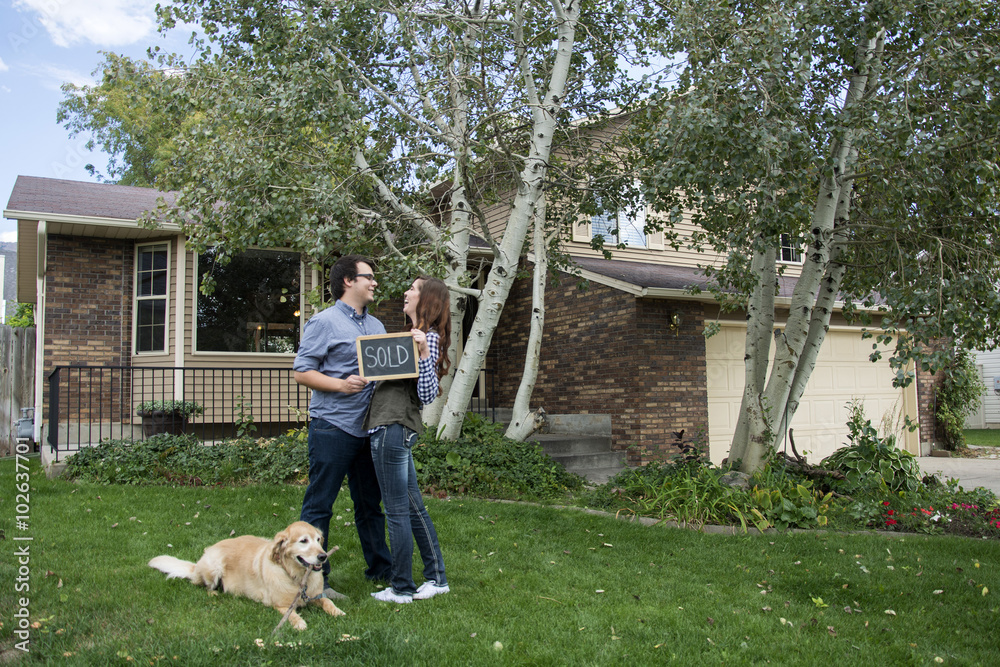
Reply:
x=983 y=437
x=552 y=586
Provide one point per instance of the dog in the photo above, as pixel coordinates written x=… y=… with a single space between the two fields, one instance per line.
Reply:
x=268 y=571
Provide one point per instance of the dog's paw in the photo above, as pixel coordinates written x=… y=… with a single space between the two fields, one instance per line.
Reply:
x=331 y=608
x=296 y=622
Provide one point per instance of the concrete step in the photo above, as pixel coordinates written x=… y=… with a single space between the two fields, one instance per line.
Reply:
x=578 y=424
x=581 y=443
x=574 y=462
x=599 y=475
x=561 y=444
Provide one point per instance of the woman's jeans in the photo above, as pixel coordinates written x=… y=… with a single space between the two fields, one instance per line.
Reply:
x=404 y=507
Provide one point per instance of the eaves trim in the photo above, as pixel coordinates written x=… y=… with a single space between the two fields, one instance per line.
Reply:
x=64 y=218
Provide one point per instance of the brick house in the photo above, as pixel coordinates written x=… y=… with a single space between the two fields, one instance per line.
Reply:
x=631 y=346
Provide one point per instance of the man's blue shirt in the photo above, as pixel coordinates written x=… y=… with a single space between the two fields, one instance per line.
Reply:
x=328 y=346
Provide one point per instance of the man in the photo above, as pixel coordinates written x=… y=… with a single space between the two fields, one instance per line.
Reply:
x=327 y=363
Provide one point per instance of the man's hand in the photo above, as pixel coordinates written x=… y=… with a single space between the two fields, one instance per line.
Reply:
x=354 y=384
x=316 y=380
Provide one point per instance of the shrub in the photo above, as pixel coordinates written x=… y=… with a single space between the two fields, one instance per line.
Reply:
x=958 y=396
x=482 y=462
x=183 y=409
x=871 y=459
x=182 y=459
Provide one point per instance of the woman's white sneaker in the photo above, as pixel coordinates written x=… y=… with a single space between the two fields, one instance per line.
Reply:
x=387 y=595
x=429 y=589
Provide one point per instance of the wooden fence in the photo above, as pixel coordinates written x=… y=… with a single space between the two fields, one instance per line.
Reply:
x=17 y=381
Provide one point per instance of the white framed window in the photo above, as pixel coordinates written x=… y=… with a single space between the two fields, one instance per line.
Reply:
x=625 y=226
x=789 y=252
x=254 y=305
x=622 y=226
x=152 y=281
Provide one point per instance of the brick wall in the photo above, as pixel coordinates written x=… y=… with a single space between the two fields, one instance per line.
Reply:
x=88 y=292
x=608 y=352
x=931 y=434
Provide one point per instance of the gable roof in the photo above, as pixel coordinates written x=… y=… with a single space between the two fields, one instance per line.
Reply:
x=76 y=208
x=34 y=196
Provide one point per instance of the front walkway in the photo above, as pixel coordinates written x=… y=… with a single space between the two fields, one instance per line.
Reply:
x=970 y=473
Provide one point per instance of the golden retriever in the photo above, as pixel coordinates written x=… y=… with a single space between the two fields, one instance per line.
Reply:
x=268 y=571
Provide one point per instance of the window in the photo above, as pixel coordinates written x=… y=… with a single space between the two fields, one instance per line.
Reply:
x=254 y=304
x=151 y=281
x=789 y=252
x=623 y=226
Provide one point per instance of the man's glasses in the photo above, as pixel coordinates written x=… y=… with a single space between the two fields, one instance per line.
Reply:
x=369 y=276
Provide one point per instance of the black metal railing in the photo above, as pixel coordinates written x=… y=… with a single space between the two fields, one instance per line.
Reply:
x=89 y=404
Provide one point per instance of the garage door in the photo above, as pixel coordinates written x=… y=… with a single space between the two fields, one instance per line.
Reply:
x=843 y=372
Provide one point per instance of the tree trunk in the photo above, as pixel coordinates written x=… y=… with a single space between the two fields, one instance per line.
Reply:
x=532 y=178
x=767 y=412
x=524 y=421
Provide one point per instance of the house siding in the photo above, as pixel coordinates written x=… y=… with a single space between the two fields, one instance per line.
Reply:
x=990 y=364
x=605 y=352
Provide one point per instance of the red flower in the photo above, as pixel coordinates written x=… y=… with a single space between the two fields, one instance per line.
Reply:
x=890 y=522
x=891 y=512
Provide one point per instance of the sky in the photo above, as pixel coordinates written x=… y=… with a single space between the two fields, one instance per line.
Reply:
x=44 y=44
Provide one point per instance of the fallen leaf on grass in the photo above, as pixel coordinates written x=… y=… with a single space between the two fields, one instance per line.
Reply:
x=890 y=612
x=829 y=629
x=938 y=592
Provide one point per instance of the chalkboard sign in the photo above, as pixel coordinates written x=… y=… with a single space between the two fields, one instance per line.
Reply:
x=388 y=357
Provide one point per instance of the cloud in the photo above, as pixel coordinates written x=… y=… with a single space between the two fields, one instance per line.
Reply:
x=8 y=237
x=104 y=23
x=53 y=77
x=3 y=66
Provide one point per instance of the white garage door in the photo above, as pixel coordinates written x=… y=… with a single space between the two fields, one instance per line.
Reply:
x=843 y=372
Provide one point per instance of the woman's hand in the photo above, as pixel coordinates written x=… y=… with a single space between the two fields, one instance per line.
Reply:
x=421 y=339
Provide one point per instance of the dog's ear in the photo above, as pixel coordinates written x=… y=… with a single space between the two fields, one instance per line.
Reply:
x=278 y=546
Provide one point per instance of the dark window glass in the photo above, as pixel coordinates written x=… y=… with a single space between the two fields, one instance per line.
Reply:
x=254 y=306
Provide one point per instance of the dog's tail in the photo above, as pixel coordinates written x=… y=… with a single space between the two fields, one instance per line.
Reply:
x=174 y=568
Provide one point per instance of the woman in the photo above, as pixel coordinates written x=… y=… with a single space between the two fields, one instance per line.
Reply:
x=394 y=422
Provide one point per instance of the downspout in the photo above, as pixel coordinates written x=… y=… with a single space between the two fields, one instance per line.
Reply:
x=41 y=252
x=179 y=308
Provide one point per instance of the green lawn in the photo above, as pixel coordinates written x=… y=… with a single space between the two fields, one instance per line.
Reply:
x=983 y=437
x=529 y=585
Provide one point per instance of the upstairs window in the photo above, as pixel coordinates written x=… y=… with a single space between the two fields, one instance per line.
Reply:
x=254 y=305
x=151 y=282
x=789 y=252
x=626 y=227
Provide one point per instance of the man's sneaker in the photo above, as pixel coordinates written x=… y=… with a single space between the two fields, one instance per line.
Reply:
x=429 y=589
x=387 y=595
x=331 y=594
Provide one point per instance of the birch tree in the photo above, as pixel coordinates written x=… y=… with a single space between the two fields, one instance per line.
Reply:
x=867 y=134
x=402 y=129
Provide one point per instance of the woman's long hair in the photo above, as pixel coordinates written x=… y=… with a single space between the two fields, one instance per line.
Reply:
x=434 y=312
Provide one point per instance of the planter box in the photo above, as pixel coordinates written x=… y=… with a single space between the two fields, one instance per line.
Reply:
x=162 y=422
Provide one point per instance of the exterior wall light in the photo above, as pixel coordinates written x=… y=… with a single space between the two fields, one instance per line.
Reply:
x=674 y=322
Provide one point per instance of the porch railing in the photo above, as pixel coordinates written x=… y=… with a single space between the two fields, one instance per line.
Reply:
x=89 y=404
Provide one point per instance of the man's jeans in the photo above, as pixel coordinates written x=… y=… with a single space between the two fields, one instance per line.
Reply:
x=408 y=519
x=334 y=453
